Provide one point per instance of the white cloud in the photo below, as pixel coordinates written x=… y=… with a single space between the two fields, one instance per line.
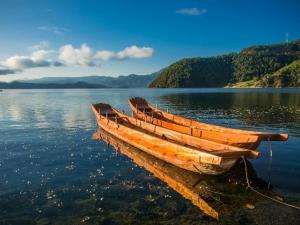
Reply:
x=128 y=52
x=135 y=52
x=39 y=55
x=76 y=56
x=104 y=55
x=18 y=62
x=42 y=56
x=56 y=30
x=39 y=46
x=191 y=11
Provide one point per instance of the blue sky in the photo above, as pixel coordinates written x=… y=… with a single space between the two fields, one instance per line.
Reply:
x=81 y=38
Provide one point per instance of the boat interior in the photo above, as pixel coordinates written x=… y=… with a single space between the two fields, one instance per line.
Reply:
x=105 y=111
x=144 y=107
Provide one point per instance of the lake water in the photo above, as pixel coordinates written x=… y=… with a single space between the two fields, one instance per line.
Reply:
x=52 y=172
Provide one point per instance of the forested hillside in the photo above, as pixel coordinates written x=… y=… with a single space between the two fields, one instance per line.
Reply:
x=251 y=63
x=284 y=77
x=197 y=72
x=254 y=62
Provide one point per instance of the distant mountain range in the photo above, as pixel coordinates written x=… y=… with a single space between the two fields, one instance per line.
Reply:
x=23 y=85
x=130 y=81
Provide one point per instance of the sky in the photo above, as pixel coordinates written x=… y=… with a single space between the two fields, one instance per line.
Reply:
x=118 y=37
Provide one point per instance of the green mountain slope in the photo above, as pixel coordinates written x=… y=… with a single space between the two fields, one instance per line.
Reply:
x=250 y=64
x=286 y=76
x=254 y=62
x=197 y=72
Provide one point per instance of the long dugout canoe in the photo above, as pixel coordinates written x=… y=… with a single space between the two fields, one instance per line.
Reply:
x=236 y=137
x=200 y=156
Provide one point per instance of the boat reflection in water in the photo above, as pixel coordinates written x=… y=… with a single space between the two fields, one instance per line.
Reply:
x=213 y=195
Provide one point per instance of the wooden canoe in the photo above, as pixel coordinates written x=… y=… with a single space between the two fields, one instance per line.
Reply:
x=237 y=137
x=184 y=151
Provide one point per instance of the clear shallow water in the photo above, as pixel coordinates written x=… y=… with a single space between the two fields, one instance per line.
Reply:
x=51 y=171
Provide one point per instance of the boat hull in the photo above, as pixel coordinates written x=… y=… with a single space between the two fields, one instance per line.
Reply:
x=187 y=140
x=178 y=155
x=230 y=136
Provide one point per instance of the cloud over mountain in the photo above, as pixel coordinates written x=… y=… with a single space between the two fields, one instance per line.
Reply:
x=68 y=55
x=127 y=53
x=135 y=52
x=104 y=55
x=19 y=62
x=76 y=56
